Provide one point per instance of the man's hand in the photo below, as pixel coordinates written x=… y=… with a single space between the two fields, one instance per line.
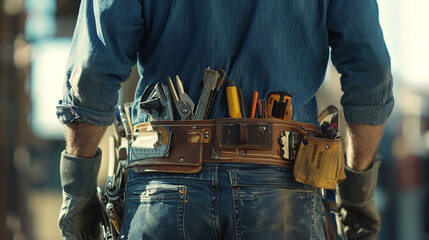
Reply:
x=362 y=145
x=83 y=138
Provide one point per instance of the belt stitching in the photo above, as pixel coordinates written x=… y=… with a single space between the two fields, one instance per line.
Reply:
x=256 y=159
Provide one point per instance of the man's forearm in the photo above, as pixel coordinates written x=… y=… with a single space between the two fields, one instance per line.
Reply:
x=362 y=145
x=82 y=139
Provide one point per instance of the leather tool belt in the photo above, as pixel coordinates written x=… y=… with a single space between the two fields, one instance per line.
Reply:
x=182 y=146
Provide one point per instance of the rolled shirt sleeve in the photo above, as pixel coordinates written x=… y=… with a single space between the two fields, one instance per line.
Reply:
x=103 y=51
x=360 y=55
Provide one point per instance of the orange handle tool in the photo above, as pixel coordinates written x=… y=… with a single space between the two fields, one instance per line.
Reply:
x=254 y=102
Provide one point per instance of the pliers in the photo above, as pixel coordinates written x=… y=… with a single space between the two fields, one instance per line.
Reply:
x=184 y=104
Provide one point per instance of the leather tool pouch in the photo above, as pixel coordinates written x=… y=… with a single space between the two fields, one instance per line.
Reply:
x=183 y=156
x=181 y=146
x=320 y=162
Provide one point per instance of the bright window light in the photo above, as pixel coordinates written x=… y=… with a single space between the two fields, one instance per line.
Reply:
x=47 y=77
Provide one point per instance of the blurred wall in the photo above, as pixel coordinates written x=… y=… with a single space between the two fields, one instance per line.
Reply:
x=13 y=107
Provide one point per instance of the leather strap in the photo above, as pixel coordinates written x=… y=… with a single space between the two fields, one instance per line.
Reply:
x=245 y=152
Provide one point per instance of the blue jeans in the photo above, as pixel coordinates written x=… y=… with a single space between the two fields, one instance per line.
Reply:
x=223 y=201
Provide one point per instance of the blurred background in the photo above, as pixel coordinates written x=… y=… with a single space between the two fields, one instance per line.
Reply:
x=34 y=43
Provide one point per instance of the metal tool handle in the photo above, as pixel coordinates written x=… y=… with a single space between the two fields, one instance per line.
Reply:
x=210 y=83
x=183 y=103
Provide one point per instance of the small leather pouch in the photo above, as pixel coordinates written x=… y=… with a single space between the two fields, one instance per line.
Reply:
x=243 y=134
x=320 y=162
x=184 y=156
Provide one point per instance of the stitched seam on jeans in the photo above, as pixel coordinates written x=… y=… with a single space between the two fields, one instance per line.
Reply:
x=237 y=213
x=181 y=220
x=215 y=196
x=312 y=217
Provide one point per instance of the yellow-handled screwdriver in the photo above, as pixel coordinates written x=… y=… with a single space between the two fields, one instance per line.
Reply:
x=233 y=100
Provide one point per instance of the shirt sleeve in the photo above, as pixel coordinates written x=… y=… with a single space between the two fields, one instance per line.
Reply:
x=103 y=51
x=359 y=53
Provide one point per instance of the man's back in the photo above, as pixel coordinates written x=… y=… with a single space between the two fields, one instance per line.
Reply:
x=262 y=45
x=241 y=38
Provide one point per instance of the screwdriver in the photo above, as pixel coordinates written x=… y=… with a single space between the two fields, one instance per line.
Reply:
x=233 y=101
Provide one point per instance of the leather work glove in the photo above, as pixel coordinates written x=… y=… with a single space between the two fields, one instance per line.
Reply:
x=361 y=220
x=80 y=211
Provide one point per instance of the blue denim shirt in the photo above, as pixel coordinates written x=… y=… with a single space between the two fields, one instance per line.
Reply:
x=263 y=45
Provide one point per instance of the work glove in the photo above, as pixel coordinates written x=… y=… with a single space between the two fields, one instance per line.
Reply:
x=80 y=214
x=361 y=219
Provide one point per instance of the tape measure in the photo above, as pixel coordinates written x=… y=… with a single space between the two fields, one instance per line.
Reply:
x=279 y=105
